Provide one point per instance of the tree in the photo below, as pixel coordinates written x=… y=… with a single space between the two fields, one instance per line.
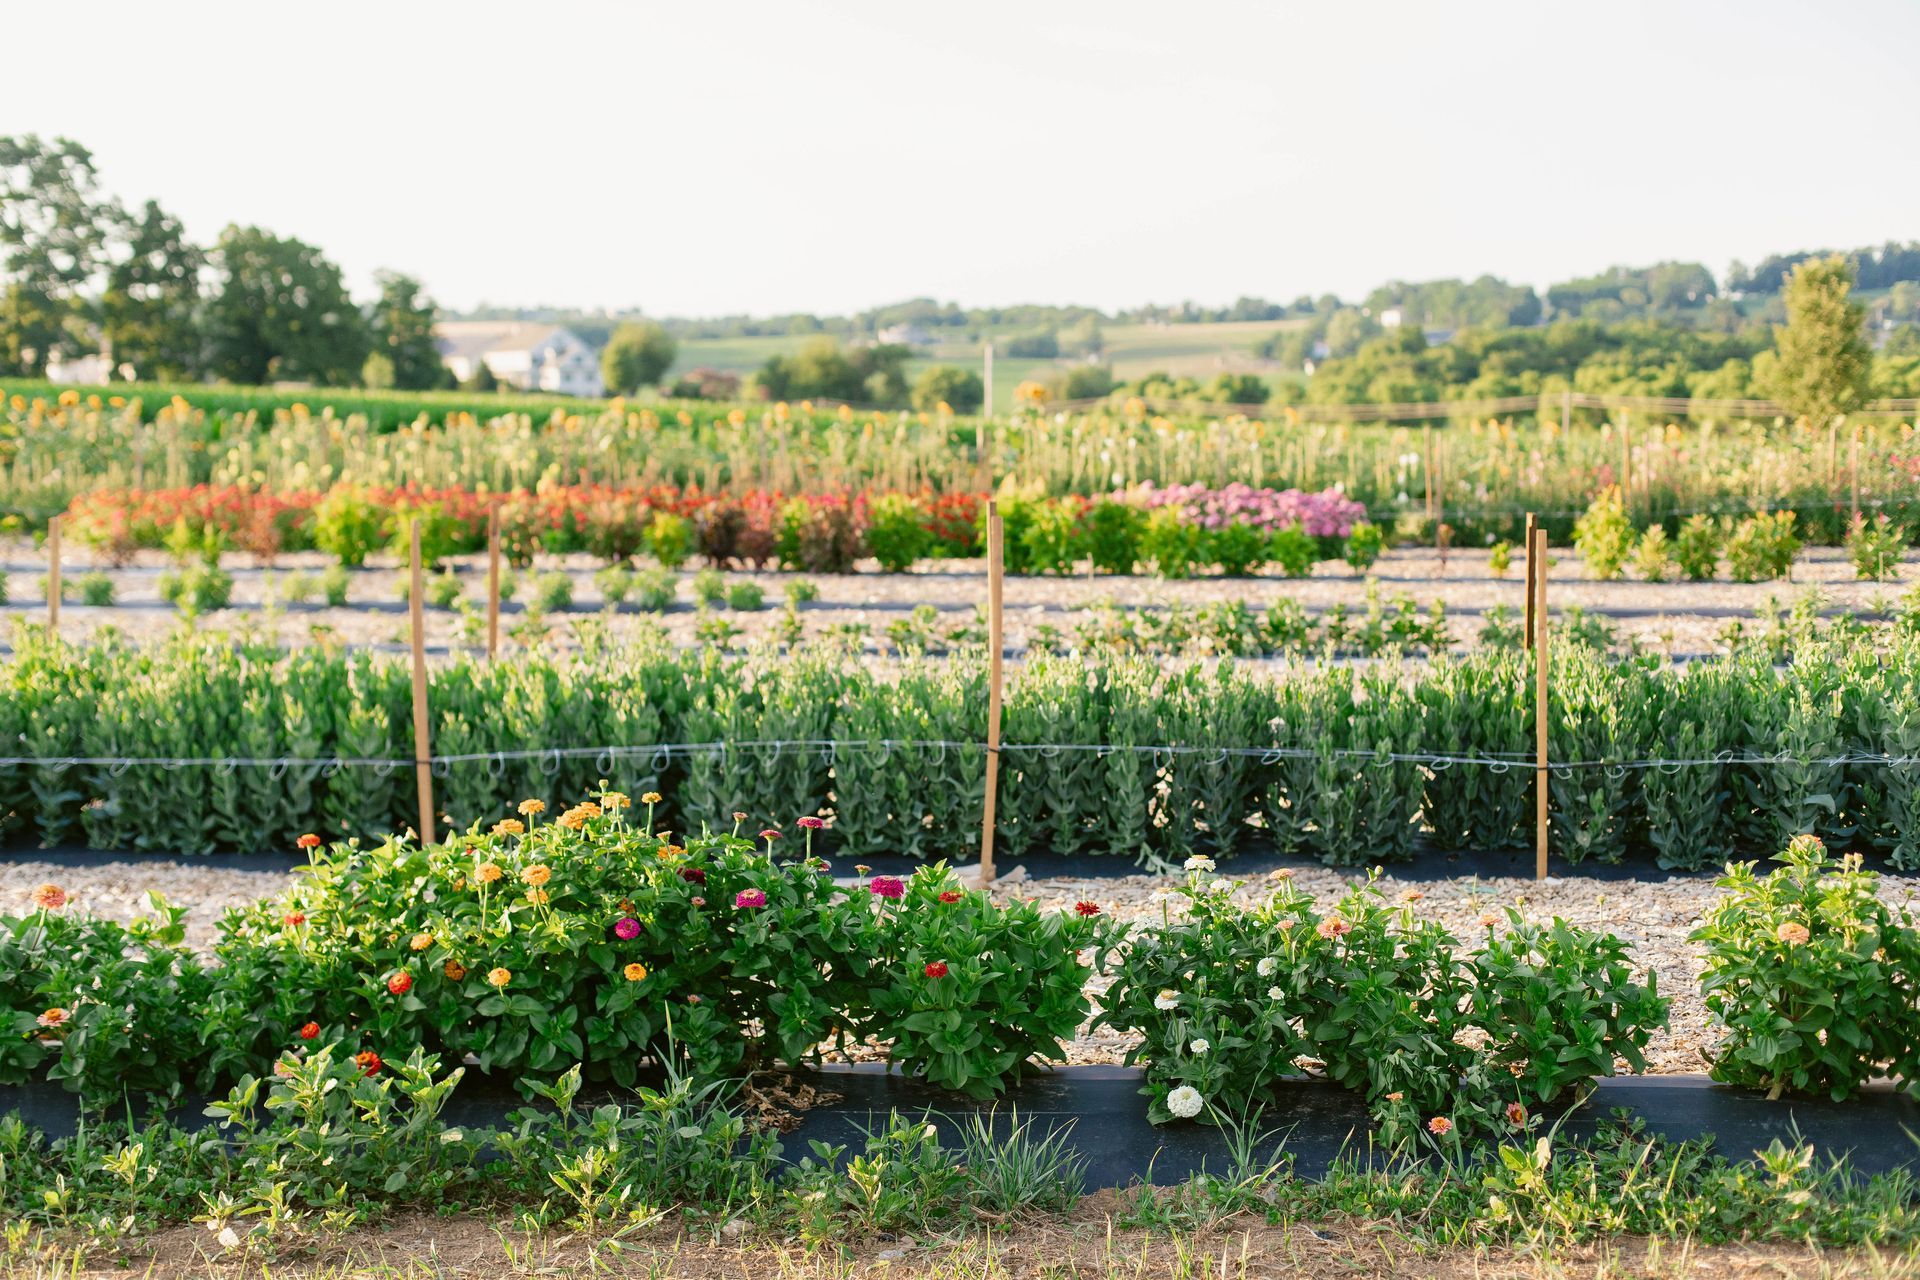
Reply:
x=54 y=230
x=1823 y=361
x=401 y=325
x=638 y=355
x=149 y=313
x=481 y=379
x=282 y=313
x=959 y=389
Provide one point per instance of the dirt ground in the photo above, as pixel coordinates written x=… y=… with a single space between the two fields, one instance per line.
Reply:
x=1087 y=1245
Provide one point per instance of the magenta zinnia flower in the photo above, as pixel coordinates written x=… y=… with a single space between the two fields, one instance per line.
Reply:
x=626 y=929
x=811 y=824
x=887 y=886
x=750 y=898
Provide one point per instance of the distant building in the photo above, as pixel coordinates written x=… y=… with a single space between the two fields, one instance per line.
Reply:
x=903 y=335
x=522 y=354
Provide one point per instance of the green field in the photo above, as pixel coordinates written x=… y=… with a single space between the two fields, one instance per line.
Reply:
x=1195 y=350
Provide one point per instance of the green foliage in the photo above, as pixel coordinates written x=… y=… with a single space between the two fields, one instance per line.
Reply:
x=552 y=592
x=670 y=538
x=1697 y=548
x=1365 y=541
x=1653 y=555
x=95 y=589
x=1807 y=971
x=334 y=585
x=1824 y=362
x=1604 y=535
x=1875 y=547
x=400 y=326
x=1112 y=533
x=1293 y=551
x=746 y=597
x=443 y=590
x=348 y=525
x=709 y=587
x=1171 y=544
x=637 y=355
x=799 y=591
x=960 y=390
x=281 y=312
x=1230 y=999
x=896 y=532
x=198 y=589
x=1240 y=549
x=1762 y=547
x=614 y=582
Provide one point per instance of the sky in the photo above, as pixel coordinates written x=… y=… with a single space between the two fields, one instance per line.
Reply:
x=830 y=155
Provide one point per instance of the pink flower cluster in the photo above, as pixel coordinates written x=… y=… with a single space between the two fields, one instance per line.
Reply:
x=1326 y=514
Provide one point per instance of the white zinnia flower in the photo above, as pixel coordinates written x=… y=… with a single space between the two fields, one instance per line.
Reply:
x=1266 y=967
x=1220 y=886
x=1199 y=1046
x=1199 y=862
x=1167 y=1000
x=1185 y=1102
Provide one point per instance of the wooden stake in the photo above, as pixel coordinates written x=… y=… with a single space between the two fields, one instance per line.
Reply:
x=1533 y=569
x=493 y=584
x=1539 y=550
x=53 y=577
x=1626 y=464
x=422 y=751
x=1426 y=465
x=995 y=643
x=986 y=402
x=1566 y=411
x=1853 y=473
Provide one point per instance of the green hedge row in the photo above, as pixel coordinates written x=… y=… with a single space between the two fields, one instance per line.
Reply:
x=1314 y=761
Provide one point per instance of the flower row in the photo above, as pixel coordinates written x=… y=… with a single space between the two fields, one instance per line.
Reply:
x=594 y=942
x=1176 y=531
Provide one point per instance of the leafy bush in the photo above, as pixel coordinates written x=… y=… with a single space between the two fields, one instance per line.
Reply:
x=95 y=589
x=1653 y=555
x=655 y=589
x=670 y=539
x=896 y=532
x=709 y=587
x=801 y=590
x=1500 y=558
x=199 y=589
x=1293 y=551
x=443 y=590
x=552 y=592
x=1697 y=548
x=1810 y=974
x=334 y=585
x=348 y=525
x=614 y=582
x=1604 y=535
x=1365 y=541
x=1230 y=999
x=1239 y=549
x=1762 y=547
x=745 y=596
x=1111 y=531
x=1875 y=548
x=1171 y=542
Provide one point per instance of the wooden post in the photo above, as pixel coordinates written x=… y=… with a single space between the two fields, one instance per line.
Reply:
x=53 y=577
x=996 y=641
x=1853 y=473
x=1440 y=498
x=986 y=403
x=1533 y=569
x=1426 y=465
x=493 y=584
x=1626 y=463
x=1539 y=550
x=422 y=752
x=1566 y=411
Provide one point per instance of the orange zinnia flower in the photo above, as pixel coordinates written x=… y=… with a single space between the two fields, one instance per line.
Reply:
x=537 y=874
x=455 y=970
x=49 y=897
x=499 y=977
x=530 y=807
x=636 y=972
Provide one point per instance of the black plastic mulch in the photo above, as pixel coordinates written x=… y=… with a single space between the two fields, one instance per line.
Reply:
x=1104 y=1115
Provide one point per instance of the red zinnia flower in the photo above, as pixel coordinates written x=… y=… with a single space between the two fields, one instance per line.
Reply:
x=310 y=1032
x=308 y=841
x=811 y=824
x=938 y=969
x=368 y=1061
x=294 y=919
x=1087 y=908
x=400 y=983
x=693 y=875
x=949 y=897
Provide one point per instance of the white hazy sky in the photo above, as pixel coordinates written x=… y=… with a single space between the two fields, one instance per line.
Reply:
x=826 y=155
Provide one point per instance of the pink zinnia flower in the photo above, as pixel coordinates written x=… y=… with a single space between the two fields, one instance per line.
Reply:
x=750 y=898
x=769 y=834
x=626 y=929
x=938 y=969
x=887 y=886
x=1333 y=927
x=811 y=824
x=1439 y=1126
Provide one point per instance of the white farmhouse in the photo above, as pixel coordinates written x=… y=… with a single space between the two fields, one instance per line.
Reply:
x=522 y=354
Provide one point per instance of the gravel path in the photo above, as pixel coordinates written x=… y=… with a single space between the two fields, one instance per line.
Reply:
x=1654 y=917
x=1686 y=617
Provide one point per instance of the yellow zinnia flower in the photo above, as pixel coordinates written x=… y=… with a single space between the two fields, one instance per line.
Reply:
x=499 y=977
x=636 y=972
x=531 y=807
x=487 y=872
x=537 y=874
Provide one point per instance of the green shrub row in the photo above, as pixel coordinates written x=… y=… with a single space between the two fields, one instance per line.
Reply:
x=1313 y=761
